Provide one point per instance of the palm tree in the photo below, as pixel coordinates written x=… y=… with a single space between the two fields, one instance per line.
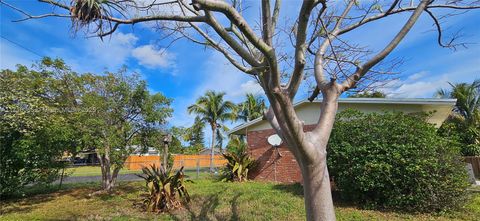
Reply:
x=468 y=100
x=194 y=134
x=212 y=109
x=465 y=120
x=251 y=108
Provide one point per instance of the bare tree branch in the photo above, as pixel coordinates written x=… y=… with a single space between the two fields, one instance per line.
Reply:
x=230 y=40
x=385 y=14
x=301 y=45
x=276 y=13
x=362 y=70
x=449 y=44
x=28 y=16
x=319 y=64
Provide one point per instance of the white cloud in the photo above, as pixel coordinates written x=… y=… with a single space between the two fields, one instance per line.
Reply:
x=218 y=75
x=417 y=76
x=428 y=84
x=113 y=51
x=251 y=87
x=415 y=89
x=460 y=66
x=150 y=57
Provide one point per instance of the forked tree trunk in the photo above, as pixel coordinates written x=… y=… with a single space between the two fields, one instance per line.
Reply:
x=109 y=177
x=310 y=151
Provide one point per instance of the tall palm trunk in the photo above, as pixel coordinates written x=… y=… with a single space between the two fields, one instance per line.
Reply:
x=212 y=149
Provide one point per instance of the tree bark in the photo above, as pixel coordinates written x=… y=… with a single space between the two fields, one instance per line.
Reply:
x=165 y=157
x=310 y=149
x=212 y=150
x=317 y=192
x=105 y=165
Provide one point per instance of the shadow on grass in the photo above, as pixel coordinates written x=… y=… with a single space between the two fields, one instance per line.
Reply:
x=30 y=197
x=295 y=189
x=23 y=205
x=207 y=209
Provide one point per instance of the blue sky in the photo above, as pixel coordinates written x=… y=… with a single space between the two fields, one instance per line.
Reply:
x=185 y=71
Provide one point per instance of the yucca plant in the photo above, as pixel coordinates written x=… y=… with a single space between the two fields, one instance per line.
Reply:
x=239 y=163
x=167 y=191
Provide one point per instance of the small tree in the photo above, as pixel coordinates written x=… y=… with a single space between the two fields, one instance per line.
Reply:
x=195 y=135
x=123 y=109
x=463 y=124
x=37 y=123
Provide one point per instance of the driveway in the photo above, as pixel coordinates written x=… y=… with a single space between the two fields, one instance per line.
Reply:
x=85 y=179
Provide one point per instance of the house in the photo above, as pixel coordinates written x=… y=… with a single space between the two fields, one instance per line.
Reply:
x=279 y=165
x=143 y=151
x=206 y=151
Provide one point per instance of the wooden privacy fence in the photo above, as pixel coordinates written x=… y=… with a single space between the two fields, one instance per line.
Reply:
x=187 y=161
x=475 y=161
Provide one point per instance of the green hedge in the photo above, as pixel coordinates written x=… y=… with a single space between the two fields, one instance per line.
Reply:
x=395 y=161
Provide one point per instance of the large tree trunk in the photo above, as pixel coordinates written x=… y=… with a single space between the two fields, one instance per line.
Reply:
x=310 y=150
x=317 y=192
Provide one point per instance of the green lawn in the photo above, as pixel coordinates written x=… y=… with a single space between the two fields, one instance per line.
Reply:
x=96 y=171
x=211 y=200
x=92 y=171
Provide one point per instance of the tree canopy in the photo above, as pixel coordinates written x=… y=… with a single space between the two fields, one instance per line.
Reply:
x=50 y=112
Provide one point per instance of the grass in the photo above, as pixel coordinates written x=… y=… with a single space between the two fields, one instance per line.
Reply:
x=96 y=171
x=93 y=171
x=211 y=200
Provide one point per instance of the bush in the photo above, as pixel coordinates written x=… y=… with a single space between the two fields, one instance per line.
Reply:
x=395 y=161
x=471 y=150
x=29 y=159
x=165 y=189
x=466 y=135
x=239 y=163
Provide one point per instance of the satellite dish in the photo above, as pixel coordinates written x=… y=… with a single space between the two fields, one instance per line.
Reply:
x=274 y=140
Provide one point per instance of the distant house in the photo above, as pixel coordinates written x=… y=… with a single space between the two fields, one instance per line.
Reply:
x=144 y=151
x=86 y=157
x=280 y=165
x=206 y=151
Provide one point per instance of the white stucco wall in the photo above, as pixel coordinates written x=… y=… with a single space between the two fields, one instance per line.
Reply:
x=309 y=112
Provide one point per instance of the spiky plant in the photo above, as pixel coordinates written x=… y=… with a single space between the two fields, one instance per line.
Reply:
x=239 y=163
x=167 y=191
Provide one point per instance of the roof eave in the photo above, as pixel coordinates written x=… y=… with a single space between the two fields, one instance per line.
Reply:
x=421 y=101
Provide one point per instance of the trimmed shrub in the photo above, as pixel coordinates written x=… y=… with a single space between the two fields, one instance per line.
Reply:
x=395 y=161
